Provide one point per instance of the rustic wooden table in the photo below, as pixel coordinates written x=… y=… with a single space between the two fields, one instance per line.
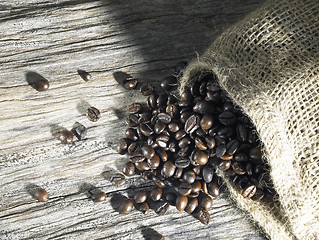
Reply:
x=55 y=39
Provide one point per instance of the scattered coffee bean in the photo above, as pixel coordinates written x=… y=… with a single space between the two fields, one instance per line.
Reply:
x=208 y=174
x=85 y=75
x=135 y=108
x=156 y=194
x=41 y=195
x=203 y=216
x=93 y=114
x=129 y=83
x=192 y=124
x=66 y=136
x=118 y=179
x=126 y=206
x=161 y=207
x=129 y=169
x=182 y=162
x=206 y=202
x=79 y=131
x=227 y=118
x=41 y=85
x=184 y=188
x=146 y=89
x=168 y=169
x=144 y=208
x=191 y=205
x=140 y=197
x=98 y=196
x=189 y=176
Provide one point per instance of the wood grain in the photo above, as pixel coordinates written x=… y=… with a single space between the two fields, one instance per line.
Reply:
x=55 y=39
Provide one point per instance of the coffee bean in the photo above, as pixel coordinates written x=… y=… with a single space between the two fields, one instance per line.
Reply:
x=255 y=153
x=184 y=116
x=172 y=110
x=171 y=99
x=258 y=195
x=162 y=154
x=162 y=141
x=98 y=196
x=173 y=127
x=118 y=179
x=129 y=83
x=210 y=142
x=206 y=202
x=137 y=157
x=93 y=114
x=142 y=166
x=206 y=122
x=200 y=144
x=66 y=136
x=225 y=132
x=126 y=206
x=204 y=187
x=224 y=165
x=200 y=157
x=189 y=176
x=203 y=216
x=180 y=134
x=184 y=188
x=184 y=142
x=156 y=194
x=131 y=133
x=41 y=195
x=169 y=83
x=208 y=174
x=226 y=157
x=220 y=150
x=192 y=124
x=132 y=120
x=146 y=89
x=148 y=151
x=249 y=191
x=128 y=169
x=154 y=162
x=161 y=207
x=140 y=197
x=134 y=108
x=146 y=129
x=196 y=186
x=181 y=202
x=79 y=131
x=85 y=75
x=238 y=168
x=158 y=182
x=227 y=118
x=182 y=162
x=164 y=117
x=241 y=157
x=152 y=101
x=133 y=147
x=203 y=107
x=144 y=208
x=232 y=146
x=191 y=205
x=241 y=132
x=178 y=173
x=159 y=127
x=168 y=169
x=213 y=189
x=184 y=152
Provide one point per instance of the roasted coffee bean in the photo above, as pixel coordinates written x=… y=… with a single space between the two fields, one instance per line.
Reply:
x=203 y=88
x=213 y=189
x=156 y=194
x=206 y=202
x=258 y=195
x=210 y=142
x=145 y=117
x=208 y=174
x=232 y=146
x=146 y=89
x=249 y=191
x=207 y=122
x=228 y=106
x=171 y=99
x=184 y=152
x=66 y=136
x=159 y=127
x=152 y=101
x=184 y=142
x=148 y=151
x=224 y=165
x=180 y=66
x=213 y=86
x=191 y=205
x=164 y=117
x=154 y=162
x=241 y=132
x=226 y=157
x=118 y=179
x=204 y=107
x=168 y=169
x=134 y=108
x=137 y=157
x=192 y=123
x=169 y=83
x=161 y=207
x=181 y=202
x=140 y=135
x=172 y=146
x=98 y=196
x=241 y=157
x=131 y=133
x=172 y=110
x=170 y=197
x=200 y=157
x=162 y=154
x=85 y=75
x=79 y=131
x=41 y=195
x=146 y=129
x=255 y=153
x=129 y=83
x=126 y=206
x=140 y=197
x=220 y=150
x=173 y=127
x=238 y=168
x=184 y=116
x=144 y=208
x=225 y=132
x=162 y=141
x=166 y=133
x=182 y=162
x=195 y=88
x=158 y=182
x=93 y=114
x=132 y=120
x=178 y=173
x=200 y=144
x=189 y=176
x=129 y=169
x=203 y=216
x=184 y=188
x=196 y=186
x=142 y=166
x=133 y=147
x=161 y=100
x=227 y=118
x=180 y=134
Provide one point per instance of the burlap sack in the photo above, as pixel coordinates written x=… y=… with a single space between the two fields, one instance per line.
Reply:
x=269 y=65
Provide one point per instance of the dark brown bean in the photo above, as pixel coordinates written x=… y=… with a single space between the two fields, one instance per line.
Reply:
x=148 y=151
x=142 y=166
x=241 y=132
x=41 y=195
x=184 y=142
x=226 y=157
x=98 y=196
x=208 y=174
x=168 y=169
x=178 y=173
x=241 y=157
x=232 y=147
x=154 y=162
x=122 y=146
x=129 y=83
x=189 y=176
x=144 y=208
x=203 y=216
x=207 y=122
x=126 y=206
x=133 y=147
x=206 y=202
x=118 y=179
x=199 y=142
x=255 y=153
x=220 y=150
x=146 y=89
x=169 y=83
x=93 y=114
x=200 y=157
x=162 y=154
x=146 y=129
x=162 y=100
x=249 y=191
x=159 y=127
x=152 y=101
x=224 y=165
x=164 y=117
x=238 y=167
x=196 y=186
x=213 y=189
x=182 y=162
x=185 y=115
x=129 y=169
x=66 y=136
x=161 y=207
x=192 y=123
x=210 y=142
x=158 y=182
x=131 y=133
x=132 y=120
x=192 y=205
x=162 y=140
x=137 y=157
x=204 y=187
x=184 y=188
x=227 y=118
x=134 y=108
x=156 y=194
x=140 y=197
x=225 y=132
x=181 y=202
x=204 y=107
x=258 y=195
x=173 y=127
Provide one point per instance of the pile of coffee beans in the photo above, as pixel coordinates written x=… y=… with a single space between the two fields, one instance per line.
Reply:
x=181 y=144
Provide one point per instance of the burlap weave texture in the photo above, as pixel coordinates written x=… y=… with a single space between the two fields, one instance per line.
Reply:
x=269 y=65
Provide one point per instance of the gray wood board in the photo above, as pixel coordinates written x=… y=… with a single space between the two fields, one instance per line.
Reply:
x=55 y=39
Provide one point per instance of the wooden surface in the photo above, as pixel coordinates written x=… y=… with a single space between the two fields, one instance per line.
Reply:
x=54 y=39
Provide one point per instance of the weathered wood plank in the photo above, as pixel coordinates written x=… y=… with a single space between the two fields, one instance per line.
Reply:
x=54 y=39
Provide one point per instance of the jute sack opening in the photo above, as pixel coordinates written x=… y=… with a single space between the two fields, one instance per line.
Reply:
x=269 y=65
